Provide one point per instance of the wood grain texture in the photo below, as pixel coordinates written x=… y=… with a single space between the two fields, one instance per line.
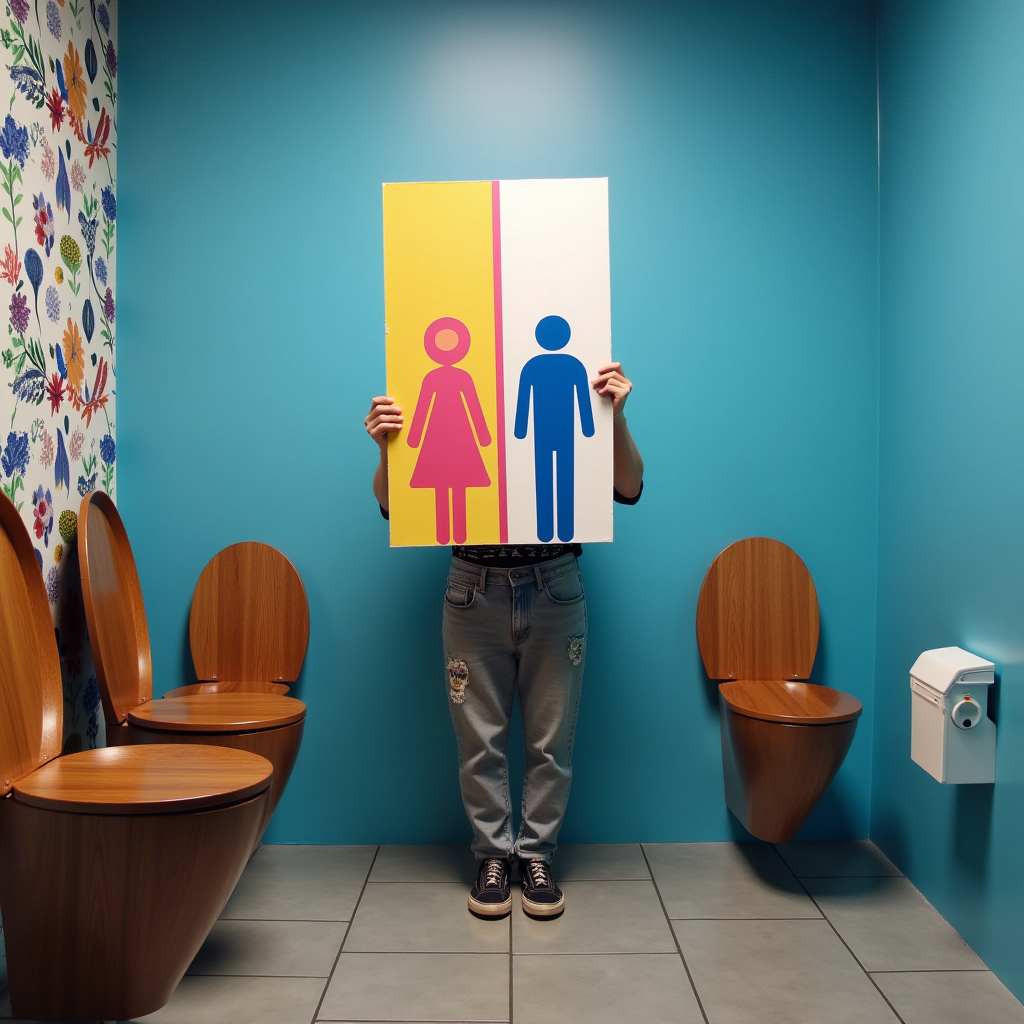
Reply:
x=250 y=618
x=31 y=698
x=114 y=609
x=775 y=774
x=104 y=913
x=279 y=746
x=757 y=615
x=790 y=702
x=228 y=686
x=219 y=712
x=164 y=779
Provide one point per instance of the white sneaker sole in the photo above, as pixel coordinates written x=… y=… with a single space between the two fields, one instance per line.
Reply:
x=543 y=909
x=491 y=909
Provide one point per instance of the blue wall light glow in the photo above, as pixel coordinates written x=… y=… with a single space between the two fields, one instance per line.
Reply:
x=739 y=140
x=951 y=532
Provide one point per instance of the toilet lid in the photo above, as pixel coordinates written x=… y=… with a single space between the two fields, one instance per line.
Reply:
x=250 y=618
x=757 y=615
x=793 y=703
x=31 y=698
x=219 y=712
x=158 y=778
x=114 y=611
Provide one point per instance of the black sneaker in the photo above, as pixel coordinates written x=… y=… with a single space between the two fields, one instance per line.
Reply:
x=491 y=895
x=541 y=895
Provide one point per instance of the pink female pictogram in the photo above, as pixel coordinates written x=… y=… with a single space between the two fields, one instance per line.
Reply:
x=449 y=460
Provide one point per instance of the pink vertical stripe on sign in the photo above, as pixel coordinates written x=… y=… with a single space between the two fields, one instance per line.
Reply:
x=499 y=358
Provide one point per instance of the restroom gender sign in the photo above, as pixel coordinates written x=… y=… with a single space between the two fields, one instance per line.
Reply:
x=497 y=317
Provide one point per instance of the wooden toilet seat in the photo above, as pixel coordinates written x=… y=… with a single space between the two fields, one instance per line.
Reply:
x=783 y=738
x=167 y=779
x=230 y=712
x=790 y=702
x=263 y=723
x=100 y=847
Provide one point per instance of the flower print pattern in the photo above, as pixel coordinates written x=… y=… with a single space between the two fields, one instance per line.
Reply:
x=42 y=513
x=10 y=268
x=74 y=360
x=19 y=312
x=55 y=393
x=46 y=450
x=47 y=162
x=53 y=22
x=14 y=460
x=52 y=304
x=58 y=183
x=14 y=141
x=74 y=80
x=88 y=226
x=44 y=222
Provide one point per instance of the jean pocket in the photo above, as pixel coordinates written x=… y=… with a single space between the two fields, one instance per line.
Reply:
x=564 y=589
x=459 y=594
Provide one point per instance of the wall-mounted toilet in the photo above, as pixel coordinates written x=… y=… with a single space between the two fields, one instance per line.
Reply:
x=114 y=863
x=249 y=624
x=265 y=723
x=783 y=739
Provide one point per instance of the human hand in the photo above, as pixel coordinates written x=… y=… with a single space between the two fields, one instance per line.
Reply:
x=612 y=382
x=384 y=416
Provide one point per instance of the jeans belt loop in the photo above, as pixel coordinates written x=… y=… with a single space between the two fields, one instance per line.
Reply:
x=536 y=573
x=483 y=579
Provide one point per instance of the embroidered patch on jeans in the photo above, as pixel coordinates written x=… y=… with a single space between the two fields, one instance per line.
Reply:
x=575 y=650
x=458 y=680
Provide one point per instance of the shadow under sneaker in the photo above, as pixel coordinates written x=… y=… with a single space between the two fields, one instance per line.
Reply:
x=541 y=895
x=491 y=895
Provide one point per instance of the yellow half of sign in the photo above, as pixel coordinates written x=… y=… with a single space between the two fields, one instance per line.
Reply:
x=438 y=263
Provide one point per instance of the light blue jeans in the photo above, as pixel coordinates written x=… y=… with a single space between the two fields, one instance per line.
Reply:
x=508 y=631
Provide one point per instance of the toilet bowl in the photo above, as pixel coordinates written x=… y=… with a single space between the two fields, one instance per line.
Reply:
x=264 y=723
x=115 y=863
x=249 y=624
x=783 y=739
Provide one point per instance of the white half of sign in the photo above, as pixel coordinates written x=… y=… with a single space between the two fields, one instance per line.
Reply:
x=556 y=333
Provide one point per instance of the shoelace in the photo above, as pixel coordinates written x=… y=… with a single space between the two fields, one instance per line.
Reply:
x=493 y=870
x=539 y=875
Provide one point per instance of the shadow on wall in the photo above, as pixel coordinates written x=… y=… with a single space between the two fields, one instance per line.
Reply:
x=972 y=830
x=84 y=727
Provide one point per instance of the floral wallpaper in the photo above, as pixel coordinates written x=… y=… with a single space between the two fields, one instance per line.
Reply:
x=58 y=244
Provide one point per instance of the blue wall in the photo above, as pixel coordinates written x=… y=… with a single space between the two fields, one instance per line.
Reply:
x=739 y=139
x=951 y=541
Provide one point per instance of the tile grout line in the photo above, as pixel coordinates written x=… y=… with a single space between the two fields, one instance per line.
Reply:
x=825 y=917
x=940 y=970
x=511 y=964
x=355 y=909
x=675 y=938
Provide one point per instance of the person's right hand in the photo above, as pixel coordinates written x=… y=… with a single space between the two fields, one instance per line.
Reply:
x=384 y=416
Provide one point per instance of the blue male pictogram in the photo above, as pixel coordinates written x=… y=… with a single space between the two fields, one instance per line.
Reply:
x=557 y=382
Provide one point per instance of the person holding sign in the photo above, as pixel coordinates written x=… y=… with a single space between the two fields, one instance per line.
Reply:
x=515 y=621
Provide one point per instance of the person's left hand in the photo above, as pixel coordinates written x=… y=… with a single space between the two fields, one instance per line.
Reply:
x=612 y=382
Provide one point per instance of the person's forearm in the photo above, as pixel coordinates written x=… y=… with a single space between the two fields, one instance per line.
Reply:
x=629 y=467
x=380 y=480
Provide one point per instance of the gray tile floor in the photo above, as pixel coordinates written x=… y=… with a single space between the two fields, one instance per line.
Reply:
x=722 y=933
